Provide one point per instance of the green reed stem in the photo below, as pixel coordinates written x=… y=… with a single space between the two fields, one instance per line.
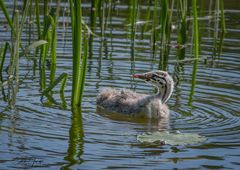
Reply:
x=109 y=12
x=24 y=15
x=93 y=17
x=42 y=77
x=45 y=47
x=3 y=56
x=45 y=36
x=169 y=23
x=84 y=63
x=182 y=36
x=165 y=34
x=164 y=20
x=147 y=18
x=133 y=19
x=155 y=22
x=64 y=103
x=221 y=41
x=195 y=25
x=196 y=50
x=10 y=23
x=102 y=19
x=14 y=57
x=72 y=18
x=38 y=19
x=13 y=81
x=194 y=76
x=223 y=24
x=16 y=48
x=2 y=5
x=76 y=15
x=216 y=29
x=45 y=10
x=53 y=49
x=62 y=78
x=30 y=21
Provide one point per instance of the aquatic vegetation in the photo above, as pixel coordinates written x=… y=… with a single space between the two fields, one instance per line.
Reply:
x=182 y=35
x=3 y=7
x=62 y=78
x=195 y=29
x=126 y=37
x=219 y=28
x=171 y=138
x=3 y=52
x=158 y=20
x=47 y=44
x=133 y=13
x=79 y=59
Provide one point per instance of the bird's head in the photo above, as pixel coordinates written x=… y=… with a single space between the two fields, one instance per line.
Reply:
x=161 y=80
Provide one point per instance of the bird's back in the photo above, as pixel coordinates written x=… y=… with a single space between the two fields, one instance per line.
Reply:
x=131 y=103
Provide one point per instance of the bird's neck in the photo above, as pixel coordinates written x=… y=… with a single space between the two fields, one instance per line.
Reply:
x=164 y=93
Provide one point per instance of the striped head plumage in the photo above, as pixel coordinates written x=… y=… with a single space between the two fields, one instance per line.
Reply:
x=161 y=80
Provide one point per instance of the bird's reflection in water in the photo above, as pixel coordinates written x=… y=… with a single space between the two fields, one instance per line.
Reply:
x=150 y=124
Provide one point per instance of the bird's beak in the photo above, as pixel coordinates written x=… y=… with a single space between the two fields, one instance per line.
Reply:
x=140 y=76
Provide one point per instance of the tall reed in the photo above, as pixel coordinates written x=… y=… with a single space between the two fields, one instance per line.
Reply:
x=182 y=31
x=4 y=9
x=165 y=21
x=102 y=18
x=195 y=29
x=37 y=15
x=10 y=22
x=44 y=48
x=155 y=24
x=216 y=28
x=182 y=35
x=219 y=29
x=53 y=47
x=196 y=50
x=13 y=81
x=79 y=60
x=3 y=56
x=133 y=25
x=16 y=30
x=223 y=28
x=147 y=19
x=223 y=24
x=76 y=16
x=102 y=21
x=83 y=63
x=93 y=17
x=3 y=52
x=62 y=78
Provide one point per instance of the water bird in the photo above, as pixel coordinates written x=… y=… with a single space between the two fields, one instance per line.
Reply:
x=135 y=104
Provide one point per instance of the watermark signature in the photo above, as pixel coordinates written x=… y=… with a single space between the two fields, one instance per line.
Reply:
x=29 y=161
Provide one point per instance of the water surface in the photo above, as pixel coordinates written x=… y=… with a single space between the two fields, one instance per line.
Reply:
x=39 y=134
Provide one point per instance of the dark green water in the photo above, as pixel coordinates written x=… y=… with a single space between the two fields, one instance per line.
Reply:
x=42 y=135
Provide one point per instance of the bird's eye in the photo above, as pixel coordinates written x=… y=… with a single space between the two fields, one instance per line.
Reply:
x=153 y=78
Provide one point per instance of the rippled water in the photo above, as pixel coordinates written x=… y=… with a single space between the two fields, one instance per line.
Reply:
x=40 y=135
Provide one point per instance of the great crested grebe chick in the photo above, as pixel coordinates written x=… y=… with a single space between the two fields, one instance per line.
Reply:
x=131 y=103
